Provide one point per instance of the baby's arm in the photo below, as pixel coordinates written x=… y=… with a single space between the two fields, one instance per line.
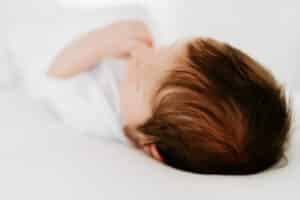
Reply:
x=115 y=40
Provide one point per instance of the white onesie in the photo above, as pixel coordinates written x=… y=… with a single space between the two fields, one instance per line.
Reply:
x=90 y=101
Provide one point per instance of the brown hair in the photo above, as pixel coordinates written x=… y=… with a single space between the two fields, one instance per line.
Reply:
x=224 y=114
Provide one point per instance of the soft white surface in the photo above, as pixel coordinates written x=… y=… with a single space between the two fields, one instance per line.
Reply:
x=7 y=73
x=40 y=159
x=92 y=3
x=34 y=43
x=88 y=102
x=12 y=12
x=83 y=102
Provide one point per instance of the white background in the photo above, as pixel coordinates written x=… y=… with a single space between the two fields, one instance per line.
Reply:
x=268 y=30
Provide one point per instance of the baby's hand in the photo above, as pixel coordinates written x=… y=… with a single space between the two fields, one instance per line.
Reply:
x=119 y=39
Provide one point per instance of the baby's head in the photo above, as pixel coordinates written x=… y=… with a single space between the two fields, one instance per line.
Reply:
x=204 y=106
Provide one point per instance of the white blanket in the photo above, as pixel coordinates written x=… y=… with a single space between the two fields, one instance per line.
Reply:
x=88 y=102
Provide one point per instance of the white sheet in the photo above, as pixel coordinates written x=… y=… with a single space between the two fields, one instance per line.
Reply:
x=15 y=12
x=41 y=159
x=88 y=102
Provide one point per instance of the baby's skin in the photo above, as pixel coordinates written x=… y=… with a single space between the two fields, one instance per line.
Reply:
x=146 y=66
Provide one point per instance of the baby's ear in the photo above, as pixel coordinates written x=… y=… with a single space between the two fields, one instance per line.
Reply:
x=154 y=153
x=137 y=138
x=143 y=142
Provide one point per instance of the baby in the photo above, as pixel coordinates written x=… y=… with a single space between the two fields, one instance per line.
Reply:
x=198 y=105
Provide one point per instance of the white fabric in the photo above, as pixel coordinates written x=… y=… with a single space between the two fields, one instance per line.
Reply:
x=34 y=43
x=88 y=102
x=41 y=159
x=78 y=102
x=13 y=12
x=93 y=3
x=7 y=72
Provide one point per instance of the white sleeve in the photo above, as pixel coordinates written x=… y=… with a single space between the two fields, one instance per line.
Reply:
x=87 y=102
